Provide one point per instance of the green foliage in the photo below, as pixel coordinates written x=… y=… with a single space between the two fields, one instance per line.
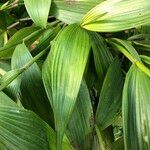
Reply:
x=74 y=74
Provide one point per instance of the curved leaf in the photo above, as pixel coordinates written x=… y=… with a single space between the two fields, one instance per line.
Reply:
x=117 y=15
x=72 y=11
x=62 y=73
x=28 y=35
x=110 y=96
x=81 y=121
x=38 y=10
x=136 y=110
x=33 y=95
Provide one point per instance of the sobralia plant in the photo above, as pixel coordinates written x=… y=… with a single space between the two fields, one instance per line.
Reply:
x=74 y=74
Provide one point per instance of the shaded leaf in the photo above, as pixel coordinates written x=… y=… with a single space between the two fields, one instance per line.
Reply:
x=110 y=96
x=136 y=104
x=33 y=95
x=81 y=121
x=28 y=35
x=102 y=56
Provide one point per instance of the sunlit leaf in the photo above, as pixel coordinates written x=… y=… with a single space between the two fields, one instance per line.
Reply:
x=38 y=10
x=62 y=73
x=72 y=11
x=117 y=15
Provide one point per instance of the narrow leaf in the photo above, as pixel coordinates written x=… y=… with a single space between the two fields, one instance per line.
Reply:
x=81 y=121
x=28 y=35
x=110 y=96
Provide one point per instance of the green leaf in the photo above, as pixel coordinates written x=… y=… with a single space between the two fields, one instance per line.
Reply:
x=141 y=41
x=102 y=56
x=33 y=95
x=62 y=74
x=46 y=38
x=72 y=11
x=145 y=59
x=118 y=145
x=38 y=10
x=28 y=35
x=136 y=104
x=117 y=15
x=110 y=96
x=128 y=50
x=81 y=121
x=5 y=100
x=9 y=76
x=22 y=129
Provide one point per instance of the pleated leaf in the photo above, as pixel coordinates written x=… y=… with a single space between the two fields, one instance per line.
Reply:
x=38 y=10
x=110 y=96
x=81 y=123
x=22 y=129
x=72 y=11
x=28 y=35
x=102 y=55
x=136 y=110
x=62 y=73
x=117 y=15
x=33 y=95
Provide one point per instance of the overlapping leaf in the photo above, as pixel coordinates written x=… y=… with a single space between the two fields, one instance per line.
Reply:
x=71 y=11
x=62 y=73
x=129 y=51
x=102 y=56
x=28 y=35
x=33 y=95
x=117 y=15
x=38 y=10
x=136 y=110
x=22 y=129
x=110 y=95
x=81 y=121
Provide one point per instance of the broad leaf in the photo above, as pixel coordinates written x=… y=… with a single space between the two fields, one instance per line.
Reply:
x=136 y=110
x=33 y=95
x=22 y=129
x=110 y=96
x=117 y=15
x=38 y=10
x=72 y=11
x=62 y=74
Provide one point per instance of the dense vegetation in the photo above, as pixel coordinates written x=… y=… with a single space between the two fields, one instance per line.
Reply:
x=74 y=74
